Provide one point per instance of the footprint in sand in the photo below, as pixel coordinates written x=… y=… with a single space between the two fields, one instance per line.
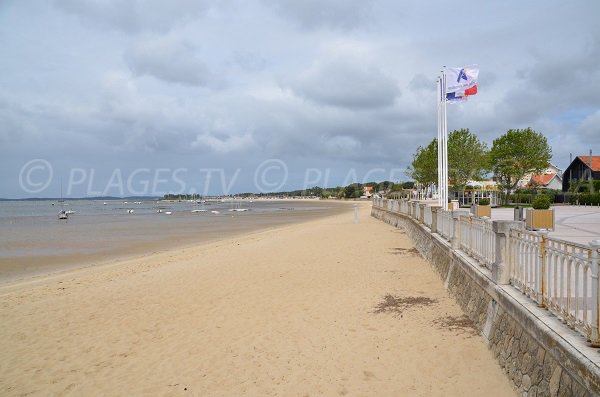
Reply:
x=368 y=375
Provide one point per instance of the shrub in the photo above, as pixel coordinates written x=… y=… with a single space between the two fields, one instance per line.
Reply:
x=589 y=198
x=541 y=202
x=484 y=201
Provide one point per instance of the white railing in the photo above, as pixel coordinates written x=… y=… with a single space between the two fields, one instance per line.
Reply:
x=404 y=206
x=524 y=255
x=478 y=240
x=444 y=223
x=557 y=274
x=428 y=216
x=568 y=267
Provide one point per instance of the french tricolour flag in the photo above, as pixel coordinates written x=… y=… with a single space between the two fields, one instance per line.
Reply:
x=461 y=83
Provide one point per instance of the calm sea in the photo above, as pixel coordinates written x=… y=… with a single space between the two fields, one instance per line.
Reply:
x=33 y=241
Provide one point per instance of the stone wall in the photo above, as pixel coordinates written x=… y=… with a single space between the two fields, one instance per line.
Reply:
x=537 y=360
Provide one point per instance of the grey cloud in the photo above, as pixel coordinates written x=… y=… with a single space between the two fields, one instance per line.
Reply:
x=135 y=16
x=346 y=83
x=421 y=82
x=343 y=14
x=249 y=61
x=171 y=60
x=554 y=84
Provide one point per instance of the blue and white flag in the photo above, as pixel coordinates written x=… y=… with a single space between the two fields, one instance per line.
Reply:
x=460 y=79
x=451 y=97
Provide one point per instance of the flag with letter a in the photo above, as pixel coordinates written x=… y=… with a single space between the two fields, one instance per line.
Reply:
x=461 y=83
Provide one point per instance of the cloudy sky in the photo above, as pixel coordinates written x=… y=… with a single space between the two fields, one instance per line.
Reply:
x=199 y=96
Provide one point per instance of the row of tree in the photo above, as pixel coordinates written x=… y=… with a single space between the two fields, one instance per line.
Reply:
x=513 y=155
x=354 y=190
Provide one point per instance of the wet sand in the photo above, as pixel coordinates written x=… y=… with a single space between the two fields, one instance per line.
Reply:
x=299 y=310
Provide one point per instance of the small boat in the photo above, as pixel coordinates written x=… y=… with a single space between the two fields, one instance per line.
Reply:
x=69 y=212
x=104 y=203
x=214 y=212
x=198 y=209
x=168 y=213
x=159 y=211
x=62 y=214
x=130 y=211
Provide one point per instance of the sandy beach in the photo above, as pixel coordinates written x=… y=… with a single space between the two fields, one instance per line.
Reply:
x=297 y=310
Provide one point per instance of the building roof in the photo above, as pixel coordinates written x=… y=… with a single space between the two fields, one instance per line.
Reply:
x=368 y=188
x=595 y=166
x=542 y=179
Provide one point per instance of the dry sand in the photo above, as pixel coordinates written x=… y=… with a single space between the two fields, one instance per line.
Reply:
x=290 y=312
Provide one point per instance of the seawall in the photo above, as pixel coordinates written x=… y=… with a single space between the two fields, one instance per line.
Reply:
x=540 y=355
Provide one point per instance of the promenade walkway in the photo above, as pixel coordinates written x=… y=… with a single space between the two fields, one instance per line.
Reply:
x=573 y=223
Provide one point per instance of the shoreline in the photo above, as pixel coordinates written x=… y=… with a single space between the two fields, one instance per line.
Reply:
x=23 y=268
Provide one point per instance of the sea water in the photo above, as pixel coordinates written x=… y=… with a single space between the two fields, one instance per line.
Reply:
x=33 y=241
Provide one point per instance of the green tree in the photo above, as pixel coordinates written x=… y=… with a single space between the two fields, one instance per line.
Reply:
x=424 y=165
x=517 y=153
x=353 y=190
x=467 y=158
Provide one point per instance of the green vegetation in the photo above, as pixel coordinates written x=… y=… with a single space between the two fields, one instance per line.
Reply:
x=541 y=202
x=585 y=199
x=517 y=153
x=352 y=191
x=425 y=163
x=467 y=159
x=484 y=201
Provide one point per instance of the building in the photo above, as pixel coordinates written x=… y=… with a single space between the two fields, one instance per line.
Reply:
x=367 y=191
x=550 y=178
x=474 y=191
x=546 y=181
x=582 y=168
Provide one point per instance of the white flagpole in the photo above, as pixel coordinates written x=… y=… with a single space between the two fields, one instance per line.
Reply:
x=445 y=139
x=439 y=138
x=445 y=142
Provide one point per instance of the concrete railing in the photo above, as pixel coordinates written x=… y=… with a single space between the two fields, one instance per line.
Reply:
x=444 y=223
x=428 y=215
x=478 y=239
x=559 y=275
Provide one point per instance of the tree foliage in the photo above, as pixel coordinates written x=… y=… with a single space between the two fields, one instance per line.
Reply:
x=517 y=153
x=424 y=165
x=467 y=157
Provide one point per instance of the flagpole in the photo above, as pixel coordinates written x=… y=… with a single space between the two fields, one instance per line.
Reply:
x=445 y=141
x=439 y=138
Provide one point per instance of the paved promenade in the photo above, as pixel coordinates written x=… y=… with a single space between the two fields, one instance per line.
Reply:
x=573 y=223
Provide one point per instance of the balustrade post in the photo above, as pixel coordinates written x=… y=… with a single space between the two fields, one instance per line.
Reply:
x=434 y=225
x=500 y=270
x=595 y=338
x=422 y=213
x=542 y=278
x=455 y=239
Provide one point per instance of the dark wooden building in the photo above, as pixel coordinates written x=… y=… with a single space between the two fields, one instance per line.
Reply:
x=583 y=168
